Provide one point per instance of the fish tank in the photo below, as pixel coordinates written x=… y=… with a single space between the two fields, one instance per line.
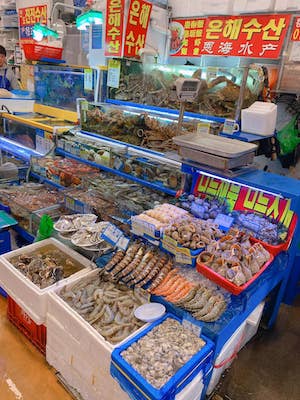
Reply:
x=60 y=86
x=224 y=90
x=136 y=126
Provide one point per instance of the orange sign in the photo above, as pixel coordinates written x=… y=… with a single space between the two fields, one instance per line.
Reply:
x=137 y=27
x=295 y=37
x=186 y=37
x=29 y=16
x=114 y=27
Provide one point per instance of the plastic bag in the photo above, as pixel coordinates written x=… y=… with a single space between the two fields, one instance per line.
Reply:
x=45 y=228
x=288 y=137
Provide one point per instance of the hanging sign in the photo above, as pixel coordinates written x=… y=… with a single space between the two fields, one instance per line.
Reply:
x=255 y=36
x=137 y=27
x=186 y=36
x=114 y=28
x=295 y=36
x=29 y=16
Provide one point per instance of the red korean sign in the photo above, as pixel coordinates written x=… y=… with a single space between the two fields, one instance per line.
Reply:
x=242 y=198
x=186 y=37
x=295 y=37
x=114 y=27
x=255 y=36
x=29 y=16
x=137 y=26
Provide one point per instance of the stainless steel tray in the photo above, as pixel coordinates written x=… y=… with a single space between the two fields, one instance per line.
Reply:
x=215 y=145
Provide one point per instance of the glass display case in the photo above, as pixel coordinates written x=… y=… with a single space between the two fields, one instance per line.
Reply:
x=60 y=86
x=224 y=89
x=139 y=127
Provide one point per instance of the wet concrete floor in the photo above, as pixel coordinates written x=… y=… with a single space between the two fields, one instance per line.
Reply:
x=268 y=368
x=24 y=373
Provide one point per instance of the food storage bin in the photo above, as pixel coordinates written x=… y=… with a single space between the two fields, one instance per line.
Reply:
x=139 y=388
x=32 y=299
x=259 y=118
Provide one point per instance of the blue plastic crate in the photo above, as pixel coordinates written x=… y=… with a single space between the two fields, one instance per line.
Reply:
x=139 y=389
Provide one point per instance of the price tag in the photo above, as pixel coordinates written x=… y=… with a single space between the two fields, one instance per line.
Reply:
x=88 y=79
x=123 y=243
x=211 y=73
x=113 y=235
x=230 y=126
x=113 y=74
x=203 y=127
x=169 y=244
x=224 y=221
x=187 y=323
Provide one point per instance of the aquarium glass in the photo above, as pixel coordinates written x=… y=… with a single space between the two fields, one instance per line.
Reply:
x=59 y=86
x=220 y=90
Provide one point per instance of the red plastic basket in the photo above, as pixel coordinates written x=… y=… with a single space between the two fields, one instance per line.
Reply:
x=35 y=51
x=224 y=283
x=37 y=334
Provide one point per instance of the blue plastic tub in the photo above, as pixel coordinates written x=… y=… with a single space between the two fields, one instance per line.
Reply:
x=139 y=389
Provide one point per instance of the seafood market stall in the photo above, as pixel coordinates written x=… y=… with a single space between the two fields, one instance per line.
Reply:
x=54 y=108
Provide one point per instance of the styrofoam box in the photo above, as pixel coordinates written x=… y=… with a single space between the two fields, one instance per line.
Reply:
x=235 y=343
x=250 y=6
x=17 y=104
x=287 y=5
x=259 y=118
x=76 y=349
x=32 y=299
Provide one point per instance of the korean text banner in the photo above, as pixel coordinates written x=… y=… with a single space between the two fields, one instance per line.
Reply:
x=295 y=37
x=114 y=27
x=137 y=27
x=29 y=16
x=256 y=36
x=246 y=199
x=186 y=36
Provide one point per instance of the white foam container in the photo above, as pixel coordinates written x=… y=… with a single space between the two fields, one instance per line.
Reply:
x=17 y=104
x=259 y=118
x=234 y=344
x=32 y=299
x=253 y=6
x=79 y=352
x=287 y=5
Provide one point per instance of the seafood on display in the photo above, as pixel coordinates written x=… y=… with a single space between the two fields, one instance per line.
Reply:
x=162 y=215
x=159 y=354
x=46 y=266
x=90 y=235
x=234 y=257
x=186 y=289
x=142 y=266
x=193 y=233
x=204 y=208
x=74 y=222
x=108 y=307
x=139 y=265
x=261 y=227
x=137 y=129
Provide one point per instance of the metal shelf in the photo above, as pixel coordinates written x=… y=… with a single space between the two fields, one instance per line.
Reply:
x=17 y=149
x=42 y=179
x=119 y=173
